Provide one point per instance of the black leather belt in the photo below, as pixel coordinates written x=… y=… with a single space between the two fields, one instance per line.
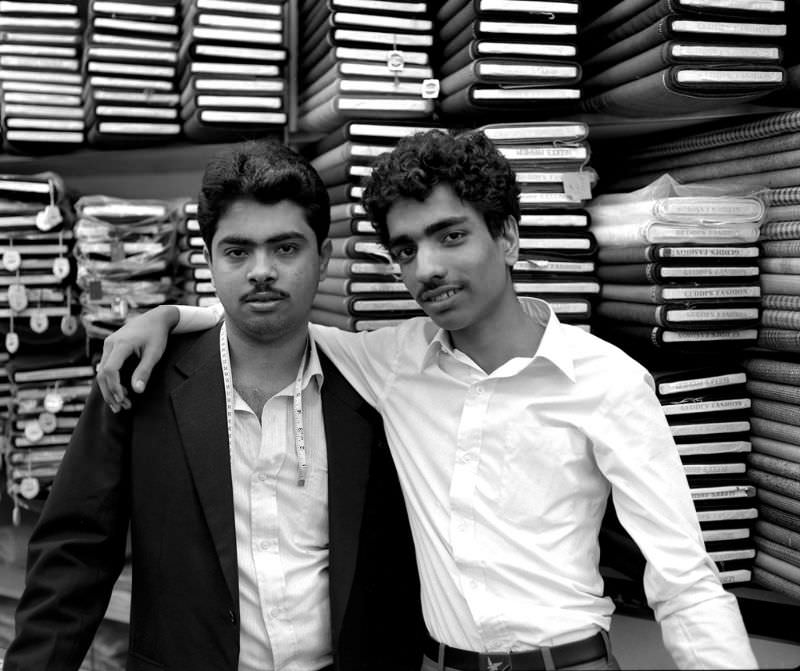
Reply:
x=568 y=654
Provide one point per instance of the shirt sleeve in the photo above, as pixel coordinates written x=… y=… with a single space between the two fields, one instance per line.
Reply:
x=366 y=359
x=700 y=622
x=193 y=318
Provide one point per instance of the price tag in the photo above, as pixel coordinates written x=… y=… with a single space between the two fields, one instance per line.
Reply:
x=577 y=185
x=33 y=432
x=61 y=267
x=69 y=325
x=120 y=307
x=117 y=251
x=29 y=487
x=48 y=422
x=395 y=60
x=95 y=290
x=48 y=218
x=12 y=342
x=430 y=88
x=39 y=321
x=12 y=260
x=17 y=297
x=53 y=402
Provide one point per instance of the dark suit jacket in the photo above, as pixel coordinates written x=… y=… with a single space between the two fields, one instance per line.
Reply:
x=164 y=467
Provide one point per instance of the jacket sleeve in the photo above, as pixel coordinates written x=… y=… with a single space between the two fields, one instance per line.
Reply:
x=77 y=548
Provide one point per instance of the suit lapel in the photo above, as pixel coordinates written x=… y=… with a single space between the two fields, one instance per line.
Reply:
x=349 y=439
x=200 y=413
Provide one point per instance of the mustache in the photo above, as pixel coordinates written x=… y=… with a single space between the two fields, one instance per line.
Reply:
x=264 y=289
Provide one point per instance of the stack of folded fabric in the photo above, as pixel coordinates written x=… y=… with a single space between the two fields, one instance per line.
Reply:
x=774 y=468
x=48 y=394
x=232 y=62
x=192 y=274
x=707 y=406
x=557 y=251
x=678 y=267
x=650 y=58
x=124 y=249
x=364 y=59
x=780 y=271
x=36 y=277
x=511 y=56
x=40 y=76
x=129 y=63
x=362 y=290
x=756 y=154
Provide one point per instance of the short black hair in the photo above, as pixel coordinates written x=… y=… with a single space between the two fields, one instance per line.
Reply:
x=266 y=171
x=469 y=162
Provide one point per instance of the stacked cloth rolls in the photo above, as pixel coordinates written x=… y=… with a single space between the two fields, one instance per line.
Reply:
x=557 y=252
x=678 y=267
x=650 y=58
x=774 y=468
x=124 y=249
x=516 y=57
x=363 y=60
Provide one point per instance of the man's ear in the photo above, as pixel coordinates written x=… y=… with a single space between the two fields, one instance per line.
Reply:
x=510 y=240
x=324 y=256
x=207 y=257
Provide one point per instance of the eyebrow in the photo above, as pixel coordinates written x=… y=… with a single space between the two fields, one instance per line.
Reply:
x=430 y=229
x=245 y=241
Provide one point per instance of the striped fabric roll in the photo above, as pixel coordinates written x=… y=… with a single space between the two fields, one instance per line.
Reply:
x=774 y=391
x=779 y=517
x=776 y=583
x=780 y=248
x=777 y=534
x=775 y=483
x=776 y=430
x=772 y=370
x=780 y=302
x=775 y=448
x=781 y=230
x=784 y=340
x=782 y=213
x=786 y=413
x=780 y=265
x=778 y=283
x=770 y=179
x=773 y=125
x=779 y=501
x=775 y=465
x=781 y=319
x=777 y=550
x=788 y=196
x=779 y=567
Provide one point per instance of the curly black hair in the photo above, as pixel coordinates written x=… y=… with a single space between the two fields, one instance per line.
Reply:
x=268 y=172
x=469 y=162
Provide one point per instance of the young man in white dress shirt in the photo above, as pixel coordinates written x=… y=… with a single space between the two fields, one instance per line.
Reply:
x=508 y=430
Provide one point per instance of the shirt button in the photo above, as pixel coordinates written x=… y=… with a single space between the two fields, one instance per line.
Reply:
x=275 y=612
x=479 y=390
x=466 y=458
x=265 y=545
x=262 y=476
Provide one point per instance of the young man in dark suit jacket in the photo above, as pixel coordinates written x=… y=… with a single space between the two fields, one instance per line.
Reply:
x=266 y=524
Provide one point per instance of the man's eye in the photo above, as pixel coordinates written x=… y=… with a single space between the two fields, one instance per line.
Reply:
x=403 y=254
x=453 y=236
x=235 y=252
x=288 y=249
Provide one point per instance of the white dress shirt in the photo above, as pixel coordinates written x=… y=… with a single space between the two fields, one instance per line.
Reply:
x=282 y=532
x=506 y=475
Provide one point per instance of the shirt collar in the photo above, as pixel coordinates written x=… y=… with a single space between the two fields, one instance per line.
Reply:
x=551 y=347
x=312 y=371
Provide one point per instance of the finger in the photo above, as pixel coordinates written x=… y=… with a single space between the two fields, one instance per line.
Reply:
x=114 y=357
x=141 y=375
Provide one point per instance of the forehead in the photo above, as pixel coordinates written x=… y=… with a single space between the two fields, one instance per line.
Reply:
x=249 y=218
x=410 y=217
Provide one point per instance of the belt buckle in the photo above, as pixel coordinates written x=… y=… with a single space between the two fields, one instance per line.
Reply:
x=495 y=662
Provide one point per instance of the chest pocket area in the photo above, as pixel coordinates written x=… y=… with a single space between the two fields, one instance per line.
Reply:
x=539 y=471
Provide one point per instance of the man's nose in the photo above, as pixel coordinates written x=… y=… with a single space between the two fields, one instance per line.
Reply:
x=262 y=268
x=428 y=264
